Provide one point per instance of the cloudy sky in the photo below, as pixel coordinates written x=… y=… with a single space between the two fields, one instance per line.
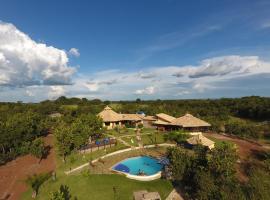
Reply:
x=123 y=50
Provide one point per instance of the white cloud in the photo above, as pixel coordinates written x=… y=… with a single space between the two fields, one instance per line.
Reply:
x=24 y=62
x=147 y=90
x=172 y=81
x=29 y=93
x=212 y=78
x=225 y=67
x=56 y=91
x=74 y=52
x=92 y=86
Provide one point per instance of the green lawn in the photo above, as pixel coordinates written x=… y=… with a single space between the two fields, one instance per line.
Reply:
x=148 y=139
x=100 y=187
x=126 y=131
x=76 y=159
x=128 y=140
x=157 y=138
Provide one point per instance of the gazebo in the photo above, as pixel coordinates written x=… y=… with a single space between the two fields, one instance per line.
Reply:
x=200 y=139
x=110 y=118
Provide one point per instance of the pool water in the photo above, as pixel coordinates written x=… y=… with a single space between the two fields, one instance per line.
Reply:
x=144 y=164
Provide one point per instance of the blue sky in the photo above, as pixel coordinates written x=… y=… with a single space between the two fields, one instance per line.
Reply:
x=150 y=49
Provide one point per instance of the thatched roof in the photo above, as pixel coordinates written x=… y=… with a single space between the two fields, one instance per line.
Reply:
x=131 y=117
x=160 y=122
x=189 y=120
x=149 y=118
x=200 y=139
x=108 y=115
x=165 y=117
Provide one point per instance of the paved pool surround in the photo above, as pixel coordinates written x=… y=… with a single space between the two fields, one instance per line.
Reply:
x=115 y=153
x=132 y=166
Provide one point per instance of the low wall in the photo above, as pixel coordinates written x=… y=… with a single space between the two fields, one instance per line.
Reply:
x=115 y=153
x=144 y=178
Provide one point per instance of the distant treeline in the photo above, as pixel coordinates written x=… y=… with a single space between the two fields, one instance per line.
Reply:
x=253 y=107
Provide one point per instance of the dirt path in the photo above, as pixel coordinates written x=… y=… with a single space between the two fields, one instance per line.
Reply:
x=13 y=174
x=245 y=148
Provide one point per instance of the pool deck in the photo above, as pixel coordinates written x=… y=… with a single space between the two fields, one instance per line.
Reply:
x=137 y=177
x=115 y=153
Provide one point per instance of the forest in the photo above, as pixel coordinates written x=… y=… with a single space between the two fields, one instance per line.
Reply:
x=21 y=124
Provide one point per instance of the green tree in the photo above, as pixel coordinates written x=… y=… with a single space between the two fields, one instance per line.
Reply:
x=75 y=133
x=64 y=138
x=177 y=136
x=180 y=162
x=62 y=194
x=38 y=148
x=35 y=181
x=222 y=162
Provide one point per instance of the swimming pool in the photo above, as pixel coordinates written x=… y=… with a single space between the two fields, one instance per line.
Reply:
x=139 y=166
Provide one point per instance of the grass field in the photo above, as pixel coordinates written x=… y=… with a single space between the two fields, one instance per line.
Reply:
x=76 y=159
x=100 y=187
x=146 y=139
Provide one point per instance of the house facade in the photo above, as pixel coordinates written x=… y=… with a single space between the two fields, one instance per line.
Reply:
x=112 y=119
x=187 y=122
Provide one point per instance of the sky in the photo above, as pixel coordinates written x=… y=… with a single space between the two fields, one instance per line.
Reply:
x=123 y=50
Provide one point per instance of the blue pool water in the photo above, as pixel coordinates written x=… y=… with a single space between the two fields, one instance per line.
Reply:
x=145 y=164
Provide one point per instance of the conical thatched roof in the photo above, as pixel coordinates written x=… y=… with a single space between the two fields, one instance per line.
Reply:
x=108 y=115
x=165 y=117
x=189 y=120
x=200 y=139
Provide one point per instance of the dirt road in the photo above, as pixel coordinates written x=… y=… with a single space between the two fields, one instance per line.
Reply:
x=13 y=174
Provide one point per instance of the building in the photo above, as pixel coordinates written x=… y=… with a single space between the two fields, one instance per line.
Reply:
x=131 y=119
x=187 y=122
x=200 y=139
x=163 y=121
x=112 y=119
x=190 y=123
x=148 y=121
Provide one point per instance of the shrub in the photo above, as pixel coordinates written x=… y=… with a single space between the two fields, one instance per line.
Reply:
x=35 y=181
